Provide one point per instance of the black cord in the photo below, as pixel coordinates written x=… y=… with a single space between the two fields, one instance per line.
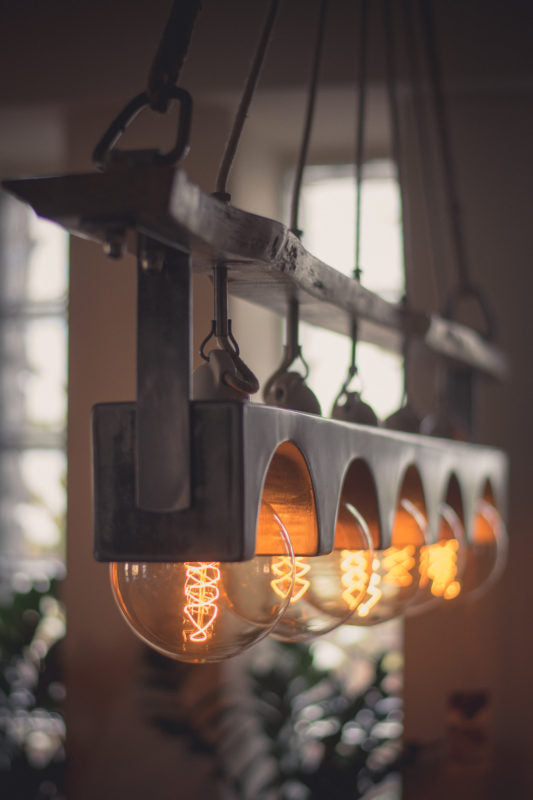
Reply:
x=311 y=98
x=171 y=53
x=428 y=169
x=426 y=15
x=392 y=92
x=246 y=99
x=360 y=134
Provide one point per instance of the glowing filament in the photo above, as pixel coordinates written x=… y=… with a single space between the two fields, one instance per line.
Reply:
x=201 y=594
x=301 y=584
x=282 y=569
x=354 y=577
x=439 y=565
x=373 y=593
x=397 y=564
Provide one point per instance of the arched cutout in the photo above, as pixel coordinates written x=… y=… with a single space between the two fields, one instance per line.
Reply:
x=483 y=532
x=358 y=491
x=288 y=490
x=454 y=497
x=410 y=518
x=486 y=550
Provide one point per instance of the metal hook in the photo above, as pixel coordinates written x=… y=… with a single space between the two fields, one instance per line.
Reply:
x=352 y=369
x=244 y=379
x=291 y=350
x=104 y=153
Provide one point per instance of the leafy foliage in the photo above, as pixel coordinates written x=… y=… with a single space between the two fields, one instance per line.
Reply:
x=326 y=742
x=32 y=730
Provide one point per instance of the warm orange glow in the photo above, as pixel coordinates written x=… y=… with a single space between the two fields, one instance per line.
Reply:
x=373 y=593
x=282 y=568
x=201 y=594
x=438 y=567
x=394 y=566
x=397 y=564
x=355 y=576
x=288 y=492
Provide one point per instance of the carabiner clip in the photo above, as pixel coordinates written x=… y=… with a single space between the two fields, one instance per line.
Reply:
x=104 y=154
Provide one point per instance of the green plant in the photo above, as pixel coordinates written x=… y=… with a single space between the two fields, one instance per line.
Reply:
x=32 y=729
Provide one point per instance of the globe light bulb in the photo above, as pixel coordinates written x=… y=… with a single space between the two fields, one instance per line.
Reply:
x=486 y=550
x=442 y=563
x=328 y=588
x=394 y=578
x=200 y=611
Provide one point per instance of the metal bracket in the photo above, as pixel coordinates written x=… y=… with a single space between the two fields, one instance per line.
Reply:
x=163 y=480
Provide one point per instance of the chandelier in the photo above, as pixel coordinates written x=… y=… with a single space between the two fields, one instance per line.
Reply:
x=226 y=520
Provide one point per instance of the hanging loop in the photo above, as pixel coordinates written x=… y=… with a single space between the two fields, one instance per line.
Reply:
x=353 y=371
x=473 y=292
x=105 y=154
x=240 y=377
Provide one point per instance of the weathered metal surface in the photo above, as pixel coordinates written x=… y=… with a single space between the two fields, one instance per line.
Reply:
x=163 y=380
x=232 y=446
x=267 y=264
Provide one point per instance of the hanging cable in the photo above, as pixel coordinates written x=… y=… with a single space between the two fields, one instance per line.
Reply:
x=404 y=418
x=392 y=92
x=285 y=387
x=242 y=112
x=161 y=90
x=424 y=150
x=309 y=116
x=466 y=288
x=360 y=134
x=171 y=53
x=359 y=155
x=426 y=16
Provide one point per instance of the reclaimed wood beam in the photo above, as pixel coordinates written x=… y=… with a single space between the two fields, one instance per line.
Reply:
x=267 y=264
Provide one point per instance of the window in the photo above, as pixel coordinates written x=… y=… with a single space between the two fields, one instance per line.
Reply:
x=33 y=343
x=328 y=221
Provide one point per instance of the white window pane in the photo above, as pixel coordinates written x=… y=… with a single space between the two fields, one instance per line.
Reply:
x=47 y=267
x=328 y=220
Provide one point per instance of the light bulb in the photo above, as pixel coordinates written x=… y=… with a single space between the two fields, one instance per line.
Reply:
x=394 y=578
x=328 y=588
x=486 y=550
x=441 y=563
x=206 y=610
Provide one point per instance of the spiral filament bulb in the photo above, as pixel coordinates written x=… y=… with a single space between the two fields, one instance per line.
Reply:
x=282 y=569
x=438 y=566
x=373 y=592
x=201 y=595
x=354 y=576
x=397 y=564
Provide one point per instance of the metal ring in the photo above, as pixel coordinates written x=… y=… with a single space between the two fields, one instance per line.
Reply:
x=104 y=148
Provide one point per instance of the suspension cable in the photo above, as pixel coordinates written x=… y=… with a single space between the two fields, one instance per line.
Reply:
x=311 y=98
x=428 y=169
x=392 y=92
x=426 y=15
x=171 y=53
x=244 y=105
x=360 y=135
